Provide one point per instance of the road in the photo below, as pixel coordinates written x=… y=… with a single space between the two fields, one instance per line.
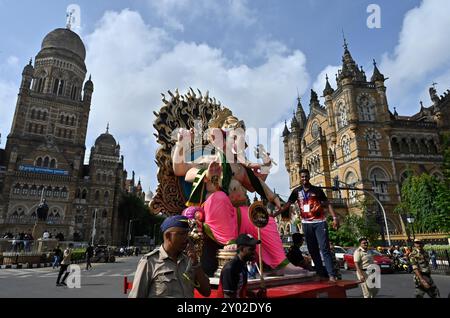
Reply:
x=106 y=281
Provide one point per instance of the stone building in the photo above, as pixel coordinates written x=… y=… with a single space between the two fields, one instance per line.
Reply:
x=356 y=139
x=45 y=150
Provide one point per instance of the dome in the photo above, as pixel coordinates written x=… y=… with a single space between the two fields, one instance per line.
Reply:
x=64 y=39
x=149 y=196
x=106 y=139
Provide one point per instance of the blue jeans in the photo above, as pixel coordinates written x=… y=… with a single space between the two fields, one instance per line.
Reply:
x=55 y=261
x=316 y=236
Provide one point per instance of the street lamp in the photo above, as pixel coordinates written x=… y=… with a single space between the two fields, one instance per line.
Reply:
x=410 y=219
x=129 y=230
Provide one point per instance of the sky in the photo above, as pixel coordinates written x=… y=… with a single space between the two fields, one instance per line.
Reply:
x=254 y=56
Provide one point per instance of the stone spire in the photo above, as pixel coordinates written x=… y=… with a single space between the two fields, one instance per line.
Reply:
x=328 y=89
x=286 y=131
x=377 y=76
x=300 y=114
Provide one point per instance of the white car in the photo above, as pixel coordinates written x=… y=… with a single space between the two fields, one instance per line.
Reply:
x=339 y=252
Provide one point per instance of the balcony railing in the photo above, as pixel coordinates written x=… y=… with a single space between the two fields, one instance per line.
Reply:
x=32 y=220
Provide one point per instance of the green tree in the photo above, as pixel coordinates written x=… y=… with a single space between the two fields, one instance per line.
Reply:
x=427 y=199
x=145 y=222
x=353 y=227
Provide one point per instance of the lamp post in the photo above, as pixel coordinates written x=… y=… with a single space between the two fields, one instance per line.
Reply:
x=93 y=226
x=129 y=230
x=410 y=219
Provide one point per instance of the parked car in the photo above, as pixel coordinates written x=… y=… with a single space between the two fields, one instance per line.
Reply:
x=339 y=252
x=385 y=263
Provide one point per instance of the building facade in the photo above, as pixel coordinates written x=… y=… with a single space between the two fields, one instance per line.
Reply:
x=45 y=150
x=355 y=138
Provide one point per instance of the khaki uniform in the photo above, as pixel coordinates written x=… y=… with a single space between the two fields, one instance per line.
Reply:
x=421 y=261
x=364 y=259
x=158 y=276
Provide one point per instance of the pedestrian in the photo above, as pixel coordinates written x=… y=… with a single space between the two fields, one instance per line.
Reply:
x=89 y=253
x=167 y=271
x=57 y=255
x=312 y=202
x=294 y=255
x=433 y=256
x=363 y=259
x=420 y=261
x=234 y=275
x=65 y=266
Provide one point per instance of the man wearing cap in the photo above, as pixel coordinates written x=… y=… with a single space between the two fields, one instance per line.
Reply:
x=234 y=274
x=160 y=273
x=420 y=262
x=363 y=259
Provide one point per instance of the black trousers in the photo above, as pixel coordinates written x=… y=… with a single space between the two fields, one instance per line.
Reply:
x=209 y=256
x=62 y=269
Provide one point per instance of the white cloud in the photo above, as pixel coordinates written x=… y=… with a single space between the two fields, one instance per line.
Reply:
x=132 y=63
x=176 y=13
x=422 y=52
x=12 y=60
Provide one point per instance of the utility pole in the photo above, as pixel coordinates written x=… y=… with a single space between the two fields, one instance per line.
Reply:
x=93 y=226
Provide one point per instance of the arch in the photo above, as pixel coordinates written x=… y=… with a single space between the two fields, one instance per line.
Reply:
x=53 y=163
x=97 y=196
x=33 y=190
x=61 y=119
x=372 y=136
x=48 y=191
x=106 y=197
x=77 y=193
x=345 y=145
x=39 y=162
x=64 y=192
x=395 y=145
x=56 y=192
x=342 y=114
x=380 y=179
x=44 y=116
x=33 y=113
x=104 y=213
x=84 y=194
x=423 y=146
x=351 y=178
x=17 y=188
x=38 y=115
x=25 y=189
x=46 y=162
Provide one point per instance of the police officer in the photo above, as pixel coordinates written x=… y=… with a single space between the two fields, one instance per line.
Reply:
x=160 y=273
x=420 y=261
x=363 y=259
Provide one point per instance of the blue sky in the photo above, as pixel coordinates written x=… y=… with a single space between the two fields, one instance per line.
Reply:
x=251 y=55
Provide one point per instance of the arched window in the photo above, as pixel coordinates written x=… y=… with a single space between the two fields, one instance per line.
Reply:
x=373 y=146
x=351 y=180
x=67 y=120
x=104 y=177
x=77 y=194
x=380 y=181
x=104 y=214
x=25 y=190
x=433 y=147
x=395 y=145
x=64 y=193
x=44 y=116
x=342 y=115
x=84 y=194
x=73 y=93
x=33 y=113
x=366 y=108
x=46 y=162
x=39 y=162
x=38 y=115
x=33 y=190
x=53 y=163
x=404 y=146
x=72 y=121
x=61 y=120
x=17 y=189
x=106 y=197
x=423 y=147
x=97 y=196
x=56 y=192
x=40 y=85
x=48 y=191
x=345 y=144
x=413 y=146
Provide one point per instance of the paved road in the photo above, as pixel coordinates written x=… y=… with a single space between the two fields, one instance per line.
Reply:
x=399 y=285
x=106 y=281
